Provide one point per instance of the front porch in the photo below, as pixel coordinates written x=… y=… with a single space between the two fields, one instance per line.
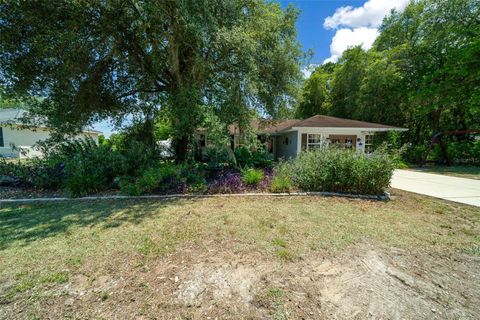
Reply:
x=289 y=144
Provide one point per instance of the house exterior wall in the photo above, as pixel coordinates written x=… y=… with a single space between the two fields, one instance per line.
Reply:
x=294 y=146
x=290 y=149
x=360 y=133
x=286 y=149
x=15 y=138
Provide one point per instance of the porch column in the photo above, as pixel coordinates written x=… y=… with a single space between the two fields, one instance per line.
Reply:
x=299 y=142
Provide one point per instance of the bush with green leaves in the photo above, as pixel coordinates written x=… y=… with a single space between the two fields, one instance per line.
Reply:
x=256 y=158
x=37 y=173
x=13 y=173
x=252 y=176
x=465 y=152
x=281 y=181
x=80 y=166
x=88 y=166
x=339 y=170
x=192 y=177
x=414 y=153
x=165 y=177
x=128 y=186
x=281 y=184
x=160 y=177
x=218 y=157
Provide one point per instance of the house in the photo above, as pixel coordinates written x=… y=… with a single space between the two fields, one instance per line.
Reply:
x=287 y=138
x=17 y=140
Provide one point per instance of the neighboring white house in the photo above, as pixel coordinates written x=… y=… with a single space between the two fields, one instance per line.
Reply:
x=18 y=140
x=287 y=138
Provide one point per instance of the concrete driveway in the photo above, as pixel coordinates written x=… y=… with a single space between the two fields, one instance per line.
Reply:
x=439 y=186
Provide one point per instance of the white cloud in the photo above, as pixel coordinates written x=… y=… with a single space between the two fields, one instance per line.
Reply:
x=345 y=38
x=358 y=25
x=369 y=15
x=307 y=70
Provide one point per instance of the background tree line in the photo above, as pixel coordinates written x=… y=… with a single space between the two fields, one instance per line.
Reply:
x=423 y=73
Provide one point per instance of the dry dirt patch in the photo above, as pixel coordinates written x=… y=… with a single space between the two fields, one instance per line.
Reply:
x=395 y=286
x=224 y=282
x=365 y=281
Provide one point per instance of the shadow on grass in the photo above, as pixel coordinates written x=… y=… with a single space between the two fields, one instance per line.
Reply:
x=25 y=223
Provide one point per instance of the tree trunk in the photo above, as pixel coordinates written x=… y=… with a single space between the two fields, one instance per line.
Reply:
x=436 y=119
x=149 y=133
x=180 y=145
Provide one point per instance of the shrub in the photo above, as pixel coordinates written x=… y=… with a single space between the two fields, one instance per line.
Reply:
x=47 y=173
x=192 y=178
x=129 y=187
x=137 y=157
x=88 y=167
x=414 y=153
x=252 y=177
x=218 y=157
x=160 y=177
x=13 y=174
x=338 y=170
x=197 y=185
x=80 y=166
x=267 y=180
x=168 y=176
x=464 y=152
x=149 y=180
x=281 y=184
x=42 y=174
x=281 y=181
x=258 y=158
x=164 y=177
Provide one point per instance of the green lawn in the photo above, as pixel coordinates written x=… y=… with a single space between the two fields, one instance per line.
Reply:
x=470 y=172
x=45 y=247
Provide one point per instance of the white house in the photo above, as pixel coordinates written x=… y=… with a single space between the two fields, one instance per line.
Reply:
x=287 y=138
x=18 y=140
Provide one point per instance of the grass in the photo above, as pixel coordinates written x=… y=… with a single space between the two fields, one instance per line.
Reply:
x=43 y=246
x=470 y=172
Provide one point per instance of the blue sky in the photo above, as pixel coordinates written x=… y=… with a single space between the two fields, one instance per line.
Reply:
x=311 y=33
x=329 y=27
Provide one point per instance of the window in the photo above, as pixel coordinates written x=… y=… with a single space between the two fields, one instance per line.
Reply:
x=202 y=140
x=348 y=143
x=1 y=138
x=232 y=142
x=369 y=143
x=314 y=141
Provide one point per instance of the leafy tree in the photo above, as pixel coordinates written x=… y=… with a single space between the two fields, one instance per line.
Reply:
x=346 y=83
x=439 y=62
x=382 y=92
x=163 y=128
x=315 y=93
x=93 y=60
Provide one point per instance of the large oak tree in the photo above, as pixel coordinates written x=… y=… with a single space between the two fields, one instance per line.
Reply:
x=86 y=60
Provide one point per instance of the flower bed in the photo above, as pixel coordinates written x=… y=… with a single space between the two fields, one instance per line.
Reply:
x=80 y=173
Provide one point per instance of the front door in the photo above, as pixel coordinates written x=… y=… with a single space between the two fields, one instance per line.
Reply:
x=345 y=141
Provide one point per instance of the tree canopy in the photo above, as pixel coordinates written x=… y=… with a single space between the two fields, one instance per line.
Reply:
x=91 y=60
x=314 y=97
x=422 y=73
